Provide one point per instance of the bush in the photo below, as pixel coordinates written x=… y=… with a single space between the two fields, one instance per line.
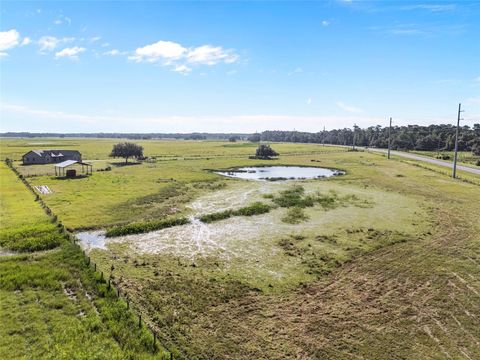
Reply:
x=293 y=197
x=295 y=215
x=221 y=215
x=145 y=226
x=256 y=208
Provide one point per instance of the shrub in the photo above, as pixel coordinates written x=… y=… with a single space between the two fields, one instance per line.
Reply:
x=145 y=226
x=295 y=215
x=256 y=208
x=221 y=215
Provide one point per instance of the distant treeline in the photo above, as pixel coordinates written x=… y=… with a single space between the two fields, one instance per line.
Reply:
x=411 y=137
x=134 y=136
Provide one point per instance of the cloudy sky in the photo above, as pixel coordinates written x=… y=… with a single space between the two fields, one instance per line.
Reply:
x=236 y=66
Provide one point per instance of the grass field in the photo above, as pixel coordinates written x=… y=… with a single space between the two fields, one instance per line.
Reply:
x=380 y=263
x=52 y=306
x=464 y=157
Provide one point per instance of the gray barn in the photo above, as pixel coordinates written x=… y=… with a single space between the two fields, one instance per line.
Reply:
x=50 y=156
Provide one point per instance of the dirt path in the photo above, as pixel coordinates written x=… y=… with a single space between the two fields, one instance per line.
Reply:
x=429 y=160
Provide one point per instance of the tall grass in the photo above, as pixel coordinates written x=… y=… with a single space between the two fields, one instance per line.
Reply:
x=31 y=237
x=145 y=226
x=256 y=208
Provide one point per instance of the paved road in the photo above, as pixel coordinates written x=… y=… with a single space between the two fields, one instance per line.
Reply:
x=430 y=160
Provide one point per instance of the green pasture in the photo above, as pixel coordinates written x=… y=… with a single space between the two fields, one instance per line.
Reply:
x=389 y=250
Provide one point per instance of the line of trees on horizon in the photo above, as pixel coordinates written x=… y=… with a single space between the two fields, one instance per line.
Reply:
x=410 y=137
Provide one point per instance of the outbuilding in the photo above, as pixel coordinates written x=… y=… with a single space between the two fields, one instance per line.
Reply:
x=61 y=168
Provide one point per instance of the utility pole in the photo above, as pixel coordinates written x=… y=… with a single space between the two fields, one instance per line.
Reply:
x=456 y=141
x=389 y=137
x=354 y=134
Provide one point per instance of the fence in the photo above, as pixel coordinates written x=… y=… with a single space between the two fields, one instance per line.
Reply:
x=91 y=265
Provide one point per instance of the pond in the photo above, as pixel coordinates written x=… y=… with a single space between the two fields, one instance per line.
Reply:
x=279 y=173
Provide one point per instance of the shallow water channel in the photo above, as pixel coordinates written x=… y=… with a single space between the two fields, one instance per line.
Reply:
x=264 y=173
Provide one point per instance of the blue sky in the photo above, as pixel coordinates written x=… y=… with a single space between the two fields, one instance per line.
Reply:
x=236 y=66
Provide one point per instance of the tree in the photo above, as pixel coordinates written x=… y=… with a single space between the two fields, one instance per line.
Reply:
x=232 y=139
x=126 y=150
x=265 y=152
x=255 y=137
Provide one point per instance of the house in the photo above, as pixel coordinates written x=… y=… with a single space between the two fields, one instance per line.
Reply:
x=50 y=156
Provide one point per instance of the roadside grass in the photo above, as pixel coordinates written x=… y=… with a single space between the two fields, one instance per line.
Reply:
x=464 y=157
x=25 y=226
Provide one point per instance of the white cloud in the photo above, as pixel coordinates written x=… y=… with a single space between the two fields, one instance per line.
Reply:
x=9 y=39
x=48 y=43
x=105 y=44
x=309 y=101
x=325 y=23
x=297 y=70
x=182 y=69
x=348 y=108
x=95 y=39
x=179 y=57
x=477 y=79
x=211 y=55
x=17 y=115
x=160 y=51
x=62 y=19
x=71 y=53
x=431 y=7
x=26 y=41
x=114 y=52
x=474 y=100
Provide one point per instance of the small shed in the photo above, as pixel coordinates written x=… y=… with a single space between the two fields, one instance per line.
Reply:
x=61 y=168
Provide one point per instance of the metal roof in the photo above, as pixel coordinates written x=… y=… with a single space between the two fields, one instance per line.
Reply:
x=67 y=163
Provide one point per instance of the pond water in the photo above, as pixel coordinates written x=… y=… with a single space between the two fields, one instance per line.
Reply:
x=275 y=173
x=92 y=240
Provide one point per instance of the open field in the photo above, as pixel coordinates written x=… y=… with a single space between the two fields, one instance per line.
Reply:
x=52 y=306
x=343 y=269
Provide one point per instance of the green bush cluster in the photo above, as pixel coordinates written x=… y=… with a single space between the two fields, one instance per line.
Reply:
x=256 y=208
x=145 y=226
x=30 y=238
x=295 y=197
x=295 y=215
